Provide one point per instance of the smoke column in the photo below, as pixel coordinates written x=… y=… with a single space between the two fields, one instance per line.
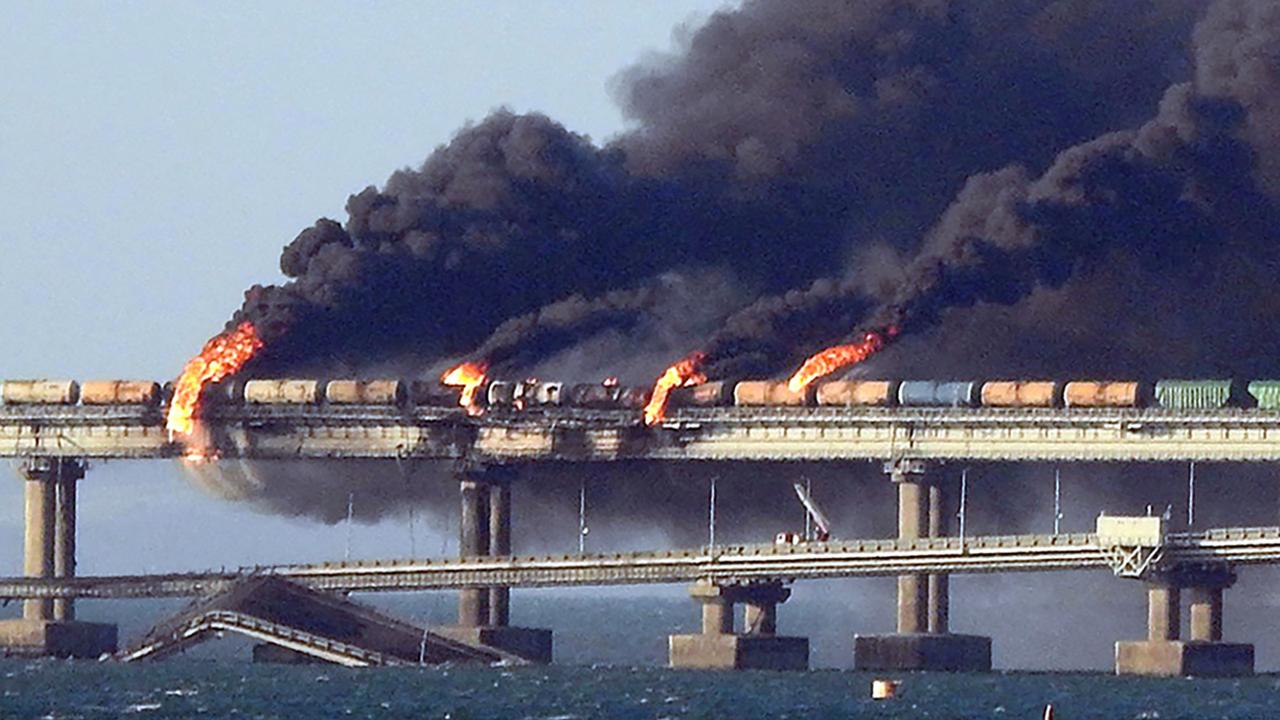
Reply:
x=815 y=167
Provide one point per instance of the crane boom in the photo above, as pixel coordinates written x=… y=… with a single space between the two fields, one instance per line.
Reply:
x=815 y=512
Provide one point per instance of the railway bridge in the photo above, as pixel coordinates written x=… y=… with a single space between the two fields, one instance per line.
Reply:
x=54 y=443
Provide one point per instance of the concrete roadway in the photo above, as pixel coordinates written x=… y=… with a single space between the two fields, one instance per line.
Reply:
x=726 y=565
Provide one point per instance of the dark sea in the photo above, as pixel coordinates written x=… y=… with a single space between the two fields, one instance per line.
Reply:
x=609 y=656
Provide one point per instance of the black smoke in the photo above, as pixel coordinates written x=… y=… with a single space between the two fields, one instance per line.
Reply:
x=774 y=146
x=1029 y=188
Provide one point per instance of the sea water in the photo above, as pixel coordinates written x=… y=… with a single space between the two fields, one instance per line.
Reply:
x=609 y=655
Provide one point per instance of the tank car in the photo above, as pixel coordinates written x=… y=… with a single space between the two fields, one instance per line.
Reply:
x=365 y=392
x=40 y=392
x=934 y=393
x=120 y=392
x=854 y=393
x=285 y=391
x=1102 y=393
x=1021 y=393
x=711 y=394
x=770 y=393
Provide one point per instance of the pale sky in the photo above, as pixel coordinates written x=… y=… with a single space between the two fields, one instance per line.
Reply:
x=155 y=157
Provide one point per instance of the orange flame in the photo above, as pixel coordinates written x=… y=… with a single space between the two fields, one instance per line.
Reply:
x=223 y=355
x=683 y=374
x=469 y=376
x=834 y=358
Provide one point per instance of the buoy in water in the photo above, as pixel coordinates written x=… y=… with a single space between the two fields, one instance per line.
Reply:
x=883 y=689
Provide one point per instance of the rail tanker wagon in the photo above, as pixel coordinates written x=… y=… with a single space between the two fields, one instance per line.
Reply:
x=932 y=393
x=633 y=398
x=712 y=394
x=770 y=392
x=1104 y=393
x=594 y=395
x=544 y=393
x=430 y=393
x=283 y=392
x=1020 y=393
x=365 y=392
x=1193 y=394
x=851 y=393
x=40 y=392
x=505 y=394
x=120 y=392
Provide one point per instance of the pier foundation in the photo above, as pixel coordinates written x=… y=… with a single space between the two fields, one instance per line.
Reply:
x=758 y=647
x=1163 y=653
x=923 y=640
x=48 y=626
x=484 y=613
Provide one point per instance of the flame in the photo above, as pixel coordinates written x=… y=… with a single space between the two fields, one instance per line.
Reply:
x=469 y=376
x=200 y=456
x=683 y=374
x=223 y=355
x=834 y=358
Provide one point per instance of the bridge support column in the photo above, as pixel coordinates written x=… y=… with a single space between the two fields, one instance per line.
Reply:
x=48 y=626
x=484 y=614
x=500 y=545
x=473 y=540
x=718 y=646
x=1205 y=654
x=923 y=640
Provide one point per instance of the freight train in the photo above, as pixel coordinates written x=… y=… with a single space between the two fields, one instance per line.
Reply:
x=505 y=396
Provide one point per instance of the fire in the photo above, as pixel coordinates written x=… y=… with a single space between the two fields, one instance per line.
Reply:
x=683 y=374
x=222 y=356
x=834 y=358
x=469 y=376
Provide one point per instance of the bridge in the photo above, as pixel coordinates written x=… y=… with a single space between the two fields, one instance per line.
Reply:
x=723 y=565
x=54 y=442
x=688 y=434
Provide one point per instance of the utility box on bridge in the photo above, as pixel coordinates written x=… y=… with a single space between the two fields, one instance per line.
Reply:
x=1140 y=531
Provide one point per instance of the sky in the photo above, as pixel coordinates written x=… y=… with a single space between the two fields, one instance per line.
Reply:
x=155 y=158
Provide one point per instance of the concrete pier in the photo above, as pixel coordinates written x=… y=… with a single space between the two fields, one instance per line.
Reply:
x=500 y=544
x=1163 y=653
x=484 y=613
x=923 y=640
x=48 y=627
x=473 y=539
x=719 y=646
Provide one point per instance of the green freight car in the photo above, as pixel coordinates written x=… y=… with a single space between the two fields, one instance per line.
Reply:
x=1267 y=393
x=1194 y=394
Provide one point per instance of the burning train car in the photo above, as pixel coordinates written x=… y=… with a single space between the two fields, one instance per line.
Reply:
x=504 y=396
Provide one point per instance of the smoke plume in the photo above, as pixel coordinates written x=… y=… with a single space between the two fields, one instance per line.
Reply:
x=1075 y=187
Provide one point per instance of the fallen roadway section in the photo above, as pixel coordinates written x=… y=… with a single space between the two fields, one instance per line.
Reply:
x=730 y=564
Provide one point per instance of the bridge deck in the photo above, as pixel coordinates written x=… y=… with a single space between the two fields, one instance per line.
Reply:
x=572 y=435
x=729 y=564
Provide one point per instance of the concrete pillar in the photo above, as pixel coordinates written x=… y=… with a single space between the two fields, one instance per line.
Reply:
x=761 y=618
x=939 y=585
x=38 y=540
x=1164 y=618
x=473 y=539
x=500 y=544
x=64 y=544
x=1206 y=614
x=913 y=523
x=717 y=616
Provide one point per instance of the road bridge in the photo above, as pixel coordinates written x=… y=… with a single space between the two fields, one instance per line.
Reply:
x=55 y=441
x=723 y=565
x=690 y=434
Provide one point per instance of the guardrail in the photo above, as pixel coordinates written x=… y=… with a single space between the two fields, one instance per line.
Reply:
x=726 y=564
